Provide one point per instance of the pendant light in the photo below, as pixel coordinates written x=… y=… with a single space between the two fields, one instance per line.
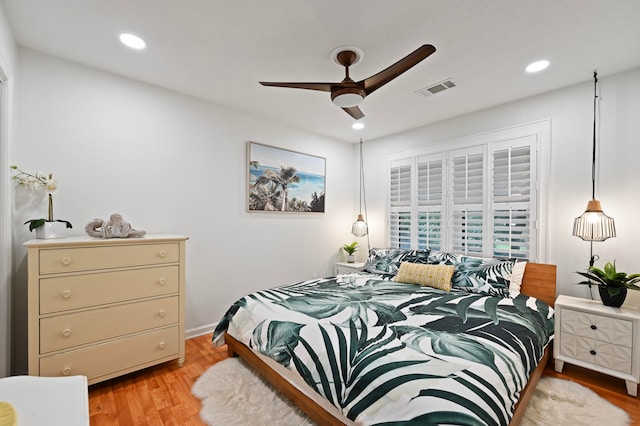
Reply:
x=359 y=227
x=593 y=224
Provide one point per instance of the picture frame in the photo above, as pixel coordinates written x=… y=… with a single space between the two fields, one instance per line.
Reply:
x=285 y=181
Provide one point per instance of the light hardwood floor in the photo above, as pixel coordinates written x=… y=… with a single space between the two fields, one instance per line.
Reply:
x=161 y=395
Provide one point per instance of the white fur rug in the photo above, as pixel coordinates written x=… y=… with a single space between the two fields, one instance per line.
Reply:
x=232 y=394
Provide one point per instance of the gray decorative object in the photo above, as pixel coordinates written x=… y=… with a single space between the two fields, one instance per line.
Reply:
x=115 y=227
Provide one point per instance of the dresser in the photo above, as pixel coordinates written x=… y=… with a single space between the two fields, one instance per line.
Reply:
x=598 y=337
x=105 y=307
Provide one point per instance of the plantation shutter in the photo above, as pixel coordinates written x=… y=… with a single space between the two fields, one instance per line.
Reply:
x=400 y=200
x=512 y=195
x=468 y=195
x=478 y=196
x=430 y=191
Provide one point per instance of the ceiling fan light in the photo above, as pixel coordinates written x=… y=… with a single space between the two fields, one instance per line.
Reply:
x=348 y=97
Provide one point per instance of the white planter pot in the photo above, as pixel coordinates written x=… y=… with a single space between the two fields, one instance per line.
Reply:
x=51 y=230
x=351 y=258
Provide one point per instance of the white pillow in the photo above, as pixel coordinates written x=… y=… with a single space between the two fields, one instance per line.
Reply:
x=517 y=273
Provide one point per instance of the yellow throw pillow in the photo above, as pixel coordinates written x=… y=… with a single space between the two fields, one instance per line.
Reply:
x=436 y=276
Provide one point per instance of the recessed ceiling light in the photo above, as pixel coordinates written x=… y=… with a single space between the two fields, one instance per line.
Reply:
x=132 y=41
x=357 y=125
x=537 y=66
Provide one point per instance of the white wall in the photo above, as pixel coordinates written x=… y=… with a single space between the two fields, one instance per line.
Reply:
x=571 y=113
x=174 y=164
x=7 y=68
x=170 y=164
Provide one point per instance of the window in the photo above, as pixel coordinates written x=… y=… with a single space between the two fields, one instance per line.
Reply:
x=400 y=199
x=477 y=196
x=429 y=200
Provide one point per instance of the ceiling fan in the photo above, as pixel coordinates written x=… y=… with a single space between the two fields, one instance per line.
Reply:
x=348 y=94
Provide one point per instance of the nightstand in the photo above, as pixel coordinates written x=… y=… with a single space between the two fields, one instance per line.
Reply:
x=598 y=337
x=348 y=268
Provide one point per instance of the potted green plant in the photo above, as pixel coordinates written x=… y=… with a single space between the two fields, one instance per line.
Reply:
x=45 y=228
x=612 y=284
x=351 y=249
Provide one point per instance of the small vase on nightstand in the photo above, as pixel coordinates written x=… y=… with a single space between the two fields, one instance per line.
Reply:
x=351 y=258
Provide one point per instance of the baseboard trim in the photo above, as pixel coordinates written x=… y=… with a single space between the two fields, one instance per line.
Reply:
x=199 y=331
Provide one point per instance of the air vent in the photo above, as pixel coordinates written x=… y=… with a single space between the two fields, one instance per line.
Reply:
x=437 y=88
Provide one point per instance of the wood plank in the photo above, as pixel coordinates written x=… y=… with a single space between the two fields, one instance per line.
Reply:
x=540 y=281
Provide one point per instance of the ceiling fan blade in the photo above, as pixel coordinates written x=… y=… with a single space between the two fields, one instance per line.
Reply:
x=323 y=87
x=383 y=77
x=354 y=112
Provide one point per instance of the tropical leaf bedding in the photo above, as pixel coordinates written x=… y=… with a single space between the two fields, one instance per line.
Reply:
x=385 y=352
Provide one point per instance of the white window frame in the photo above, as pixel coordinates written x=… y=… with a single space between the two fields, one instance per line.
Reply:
x=538 y=134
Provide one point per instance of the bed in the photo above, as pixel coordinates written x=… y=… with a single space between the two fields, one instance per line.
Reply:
x=383 y=347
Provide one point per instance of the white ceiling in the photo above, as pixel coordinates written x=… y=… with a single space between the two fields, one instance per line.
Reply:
x=219 y=49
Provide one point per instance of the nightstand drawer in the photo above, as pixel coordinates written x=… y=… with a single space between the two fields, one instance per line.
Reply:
x=78 y=291
x=596 y=352
x=598 y=327
x=65 y=331
x=61 y=260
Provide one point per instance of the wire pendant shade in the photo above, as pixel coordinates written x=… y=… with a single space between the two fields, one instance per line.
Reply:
x=359 y=227
x=593 y=224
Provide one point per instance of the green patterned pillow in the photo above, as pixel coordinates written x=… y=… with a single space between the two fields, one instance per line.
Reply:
x=477 y=274
x=387 y=261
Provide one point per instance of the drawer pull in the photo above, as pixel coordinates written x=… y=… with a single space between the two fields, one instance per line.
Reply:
x=162 y=345
x=162 y=313
x=66 y=294
x=66 y=260
x=66 y=332
x=593 y=327
x=162 y=254
x=162 y=281
x=592 y=352
x=66 y=371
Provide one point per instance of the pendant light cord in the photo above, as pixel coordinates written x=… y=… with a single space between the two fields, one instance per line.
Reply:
x=593 y=257
x=593 y=160
x=363 y=196
x=361 y=176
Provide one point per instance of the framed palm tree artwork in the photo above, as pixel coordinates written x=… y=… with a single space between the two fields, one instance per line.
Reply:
x=281 y=180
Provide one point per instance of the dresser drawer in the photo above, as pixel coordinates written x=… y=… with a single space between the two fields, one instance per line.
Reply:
x=78 y=291
x=65 y=331
x=598 y=327
x=61 y=260
x=114 y=356
x=596 y=352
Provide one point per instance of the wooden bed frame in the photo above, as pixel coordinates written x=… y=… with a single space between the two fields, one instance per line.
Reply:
x=539 y=281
